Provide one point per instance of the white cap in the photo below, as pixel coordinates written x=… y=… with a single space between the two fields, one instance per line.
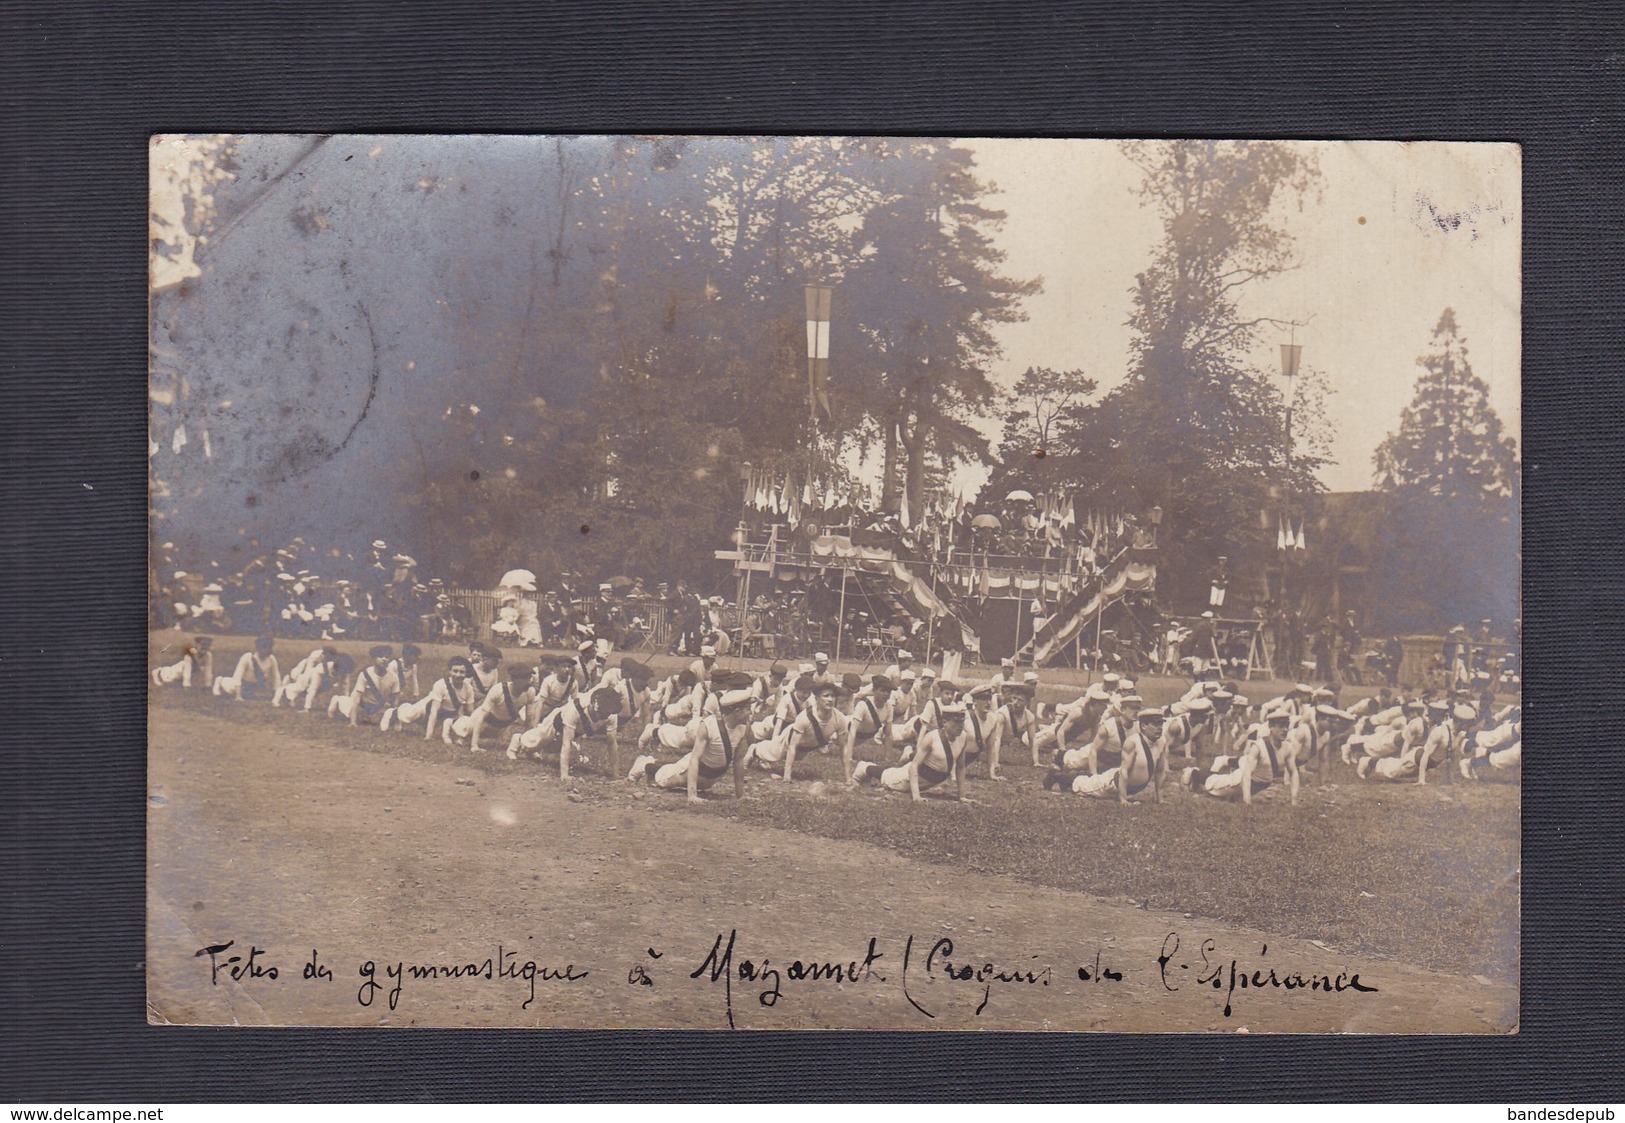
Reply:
x=1199 y=705
x=733 y=698
x=806 y=668
x=821 y=658
x=905 y=655
x=1030 y=677
x=1111 y=677
x=708 y=652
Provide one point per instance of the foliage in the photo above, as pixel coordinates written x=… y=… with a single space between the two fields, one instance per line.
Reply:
x=594 y=334
x=1194 y=428
x=1449 y=444
x=1032 y=454
x=1450 y=550
x=925 y=294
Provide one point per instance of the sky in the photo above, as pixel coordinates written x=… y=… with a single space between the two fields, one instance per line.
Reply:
x=1400 y=232
x=1441 y=228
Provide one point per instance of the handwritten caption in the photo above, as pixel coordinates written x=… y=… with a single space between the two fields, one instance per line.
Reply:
x=740 y=976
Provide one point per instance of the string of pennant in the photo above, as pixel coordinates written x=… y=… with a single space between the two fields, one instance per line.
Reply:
x=1289 y=533
x=783 y=495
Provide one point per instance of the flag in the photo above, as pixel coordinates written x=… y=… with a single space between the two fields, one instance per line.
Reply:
x=818 y=348
x=1280 y=532
x=807 y=493
x=1300 y=542
x=902 y=505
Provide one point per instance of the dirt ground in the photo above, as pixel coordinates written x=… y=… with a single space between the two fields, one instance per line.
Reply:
x=385 y=890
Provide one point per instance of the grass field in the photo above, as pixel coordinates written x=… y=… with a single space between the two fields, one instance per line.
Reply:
x=1427 y=875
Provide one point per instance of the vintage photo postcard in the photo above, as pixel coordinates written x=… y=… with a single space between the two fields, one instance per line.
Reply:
x=823 y=582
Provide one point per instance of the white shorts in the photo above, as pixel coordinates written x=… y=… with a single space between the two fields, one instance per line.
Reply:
x=770 y=750
x=895 y=779
x=1102 y=784
x=408 y=712
x=537 y=736
x=345 y=704
x=1075 y=759
x=1505 y=758
x=674 y=776
x=676 y=738
x=1393 y=768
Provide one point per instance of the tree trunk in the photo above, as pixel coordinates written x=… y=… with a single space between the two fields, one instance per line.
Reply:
x=888 y=469
x=914 y=443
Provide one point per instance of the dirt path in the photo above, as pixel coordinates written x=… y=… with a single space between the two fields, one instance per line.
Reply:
x=293 y=847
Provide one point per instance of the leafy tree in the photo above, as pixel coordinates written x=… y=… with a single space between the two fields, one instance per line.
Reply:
x=1451 y=544
x=1032 y=454
x=478 y=346
x=1194 y=427
x=925 y=293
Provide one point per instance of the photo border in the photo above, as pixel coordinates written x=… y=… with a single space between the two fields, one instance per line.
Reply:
x=92 y=83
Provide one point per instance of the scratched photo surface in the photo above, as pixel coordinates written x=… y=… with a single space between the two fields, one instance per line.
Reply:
x=853 y=583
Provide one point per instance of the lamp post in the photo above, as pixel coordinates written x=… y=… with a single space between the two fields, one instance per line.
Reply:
x=743 y=534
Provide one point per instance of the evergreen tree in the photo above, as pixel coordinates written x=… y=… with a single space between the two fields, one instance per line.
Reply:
x=1449 y=444
x=1449 y=553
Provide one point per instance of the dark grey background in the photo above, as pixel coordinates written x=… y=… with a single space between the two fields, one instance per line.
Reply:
x=86 y=83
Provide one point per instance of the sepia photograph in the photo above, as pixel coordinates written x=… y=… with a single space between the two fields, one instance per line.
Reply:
x=853 y=583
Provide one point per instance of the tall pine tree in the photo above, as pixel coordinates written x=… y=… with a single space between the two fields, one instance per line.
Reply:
x=1449 y=444
x=1450 y=552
